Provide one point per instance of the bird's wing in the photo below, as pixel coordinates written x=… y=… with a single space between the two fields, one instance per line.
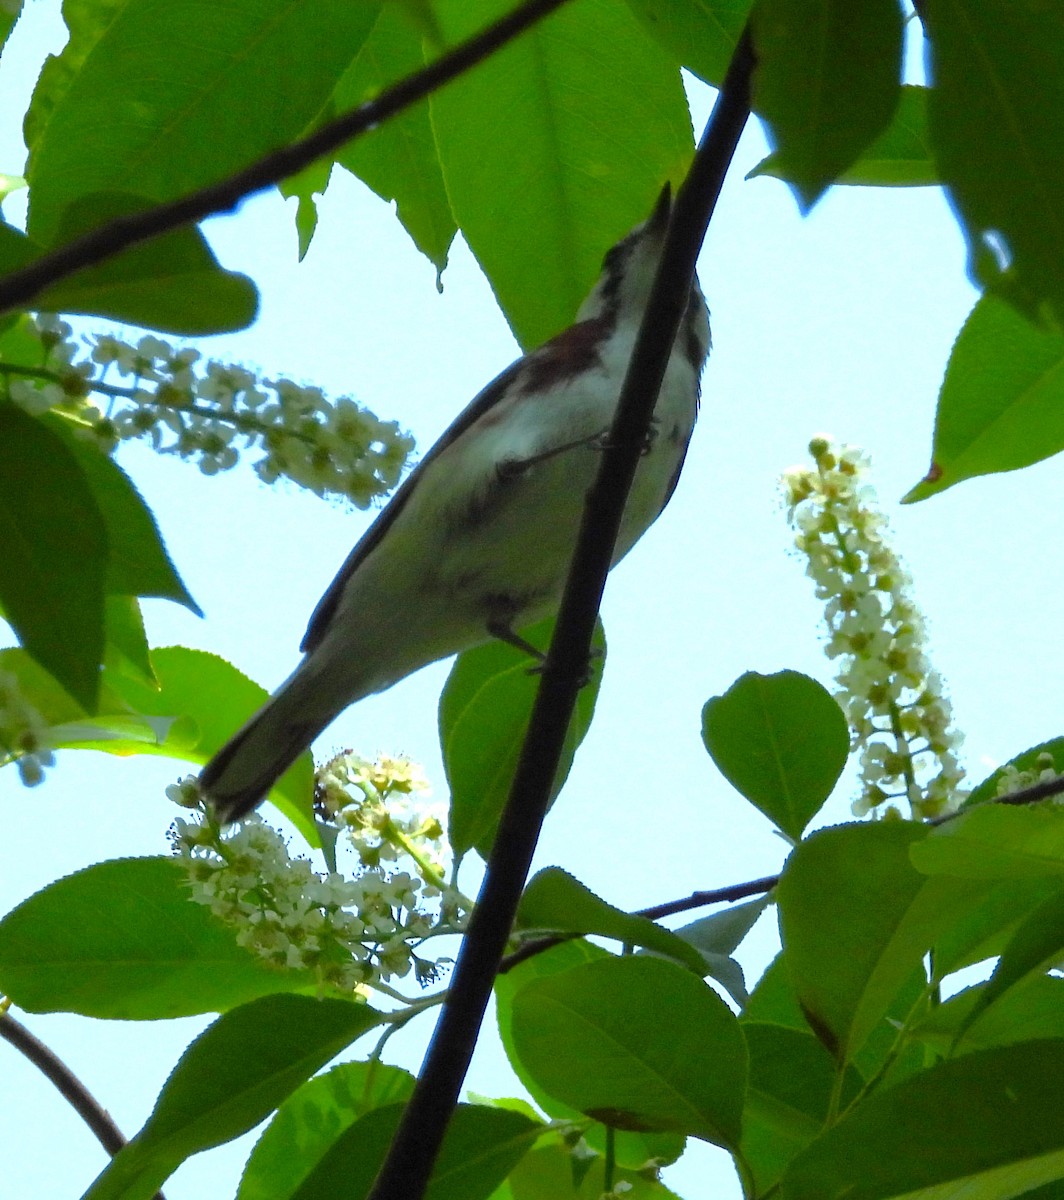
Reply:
x=483 y=402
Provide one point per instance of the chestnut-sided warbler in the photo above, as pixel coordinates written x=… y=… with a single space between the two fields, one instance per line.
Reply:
x=477 y=541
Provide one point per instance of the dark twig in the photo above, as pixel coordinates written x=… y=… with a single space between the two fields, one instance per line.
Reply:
x=70 y=1087
x=408 y=1165
x=20 y=287
x=724 y=895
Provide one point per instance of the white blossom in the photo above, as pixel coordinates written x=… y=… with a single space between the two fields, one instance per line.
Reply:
x=899 y=715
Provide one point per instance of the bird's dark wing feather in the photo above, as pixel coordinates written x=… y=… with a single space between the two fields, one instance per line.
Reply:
x=481 y=403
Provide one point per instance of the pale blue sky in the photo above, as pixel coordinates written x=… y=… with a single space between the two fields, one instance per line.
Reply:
x=839 y=322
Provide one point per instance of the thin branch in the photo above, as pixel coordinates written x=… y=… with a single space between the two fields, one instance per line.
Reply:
x=408 y=1165
x=724 y=895
x=20 y=287
x=70 y=1087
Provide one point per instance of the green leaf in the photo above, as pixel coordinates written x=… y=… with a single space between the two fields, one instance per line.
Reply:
x=200 y=701
x=87 y=21
x=1026 y=761
x=600 y=116
x=555 y=902
x=998 y=73
x=1001 y=406
x=138 y=564
x=827 y=84
x=775 y=1002
x=792 y=1080
x=638 y=1043
x=996 y=842
x=1032 y=1009
x=230 y=1078
x=699 y=34
x=856 y=920
x=484 y=711
x=1034 y=947
x=981 y=931
x=781 y=740
x=172 y=283
x=69 y=725
x=54 y=566
x=124 y=940
x=989 y=1124
x=482 y=1146
x=900 y=156
x=398 y=160
x=173 y=97
x=630 y=1149
x=715 y=938
x=312 y=1119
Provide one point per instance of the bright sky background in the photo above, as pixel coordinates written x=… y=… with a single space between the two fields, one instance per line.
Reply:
x=840 y=322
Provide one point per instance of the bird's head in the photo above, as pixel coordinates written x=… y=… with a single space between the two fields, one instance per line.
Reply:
x=620 y=296
x=628 y=269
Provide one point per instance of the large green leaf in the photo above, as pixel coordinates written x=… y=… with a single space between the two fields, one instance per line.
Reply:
x=172 y=283
x=137 y=564
x=856 y=921
x=484 y=711
x=636 y=1042
x=1001 y=406
x=600 y=116
x=172 y=97
x=827 y=83
x=987 y=1125
x=124 y=940
x=900 y=156
x=792 y=1081
x=998 y=72
x=53 y=571
x=997 y=841
x=312 y=1119
x=699 y=34
x=630 y=1149
x=398 y=160
x=782 y=741
x=230 y=1078
x=555 y=902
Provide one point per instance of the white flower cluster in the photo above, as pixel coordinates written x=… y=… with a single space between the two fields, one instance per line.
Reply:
x=1012 y=779
x=897 y=710
x=23 y=733
x=351 y=933
x=210 y=412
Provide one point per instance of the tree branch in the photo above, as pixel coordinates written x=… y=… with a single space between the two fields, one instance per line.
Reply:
x=70 y=1087
x=409 y=1162
x=19 y=288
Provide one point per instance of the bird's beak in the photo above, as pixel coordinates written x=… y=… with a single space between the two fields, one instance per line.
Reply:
x=658 y=220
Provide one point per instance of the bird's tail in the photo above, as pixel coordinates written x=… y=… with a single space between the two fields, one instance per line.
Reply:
x=240 y=774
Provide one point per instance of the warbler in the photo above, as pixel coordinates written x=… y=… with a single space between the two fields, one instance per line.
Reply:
x=477 y=541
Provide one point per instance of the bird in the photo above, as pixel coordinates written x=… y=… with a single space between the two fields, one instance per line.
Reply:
x=476 y=542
